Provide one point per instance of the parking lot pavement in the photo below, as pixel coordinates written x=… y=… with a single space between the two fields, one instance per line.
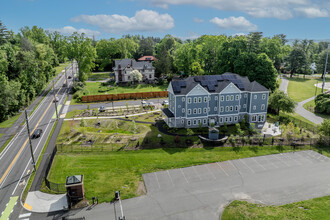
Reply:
x=202 y=192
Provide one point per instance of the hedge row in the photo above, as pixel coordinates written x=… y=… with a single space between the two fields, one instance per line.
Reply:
x=123 y=96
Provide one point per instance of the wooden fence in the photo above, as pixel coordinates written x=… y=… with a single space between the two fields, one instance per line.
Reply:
x=123 y=96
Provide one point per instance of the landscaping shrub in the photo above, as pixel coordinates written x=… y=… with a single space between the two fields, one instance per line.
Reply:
x=322 y=103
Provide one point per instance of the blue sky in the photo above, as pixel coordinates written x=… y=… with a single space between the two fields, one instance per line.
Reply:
x=298 y=19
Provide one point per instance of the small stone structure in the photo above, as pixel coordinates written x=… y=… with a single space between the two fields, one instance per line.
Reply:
x=213 y=133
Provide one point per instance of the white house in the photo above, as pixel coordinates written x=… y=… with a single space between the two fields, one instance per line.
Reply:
x=124 y=67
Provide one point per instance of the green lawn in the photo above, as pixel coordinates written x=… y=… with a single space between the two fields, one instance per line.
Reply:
x=95 y=88
x=106 y=172
x=8 y=123
x=317 y=209
x=310 y=107
x=302 y=89
x=99 y=76
x=1 y=135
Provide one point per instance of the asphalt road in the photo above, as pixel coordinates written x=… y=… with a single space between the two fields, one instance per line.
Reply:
x=202 y=192
x=15 y=159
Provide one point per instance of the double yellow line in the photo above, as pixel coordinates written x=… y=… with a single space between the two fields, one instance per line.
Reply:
x=20 y=150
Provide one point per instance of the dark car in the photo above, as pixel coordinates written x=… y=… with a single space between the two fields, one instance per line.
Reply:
x=102 y=109
x=37 y=133
x=69 y=77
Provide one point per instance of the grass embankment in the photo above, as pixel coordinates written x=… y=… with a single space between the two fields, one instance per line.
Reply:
x=99 y=76
x=8 y=123
x=113 y=135
x=106 y=172
x=310 y=209
x=302 y=89
x=6 y=143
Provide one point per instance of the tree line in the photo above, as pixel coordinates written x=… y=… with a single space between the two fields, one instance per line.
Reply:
x=28 y=58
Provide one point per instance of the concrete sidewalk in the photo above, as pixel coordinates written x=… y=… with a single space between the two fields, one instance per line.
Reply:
x=300 y=106
x=37 y=201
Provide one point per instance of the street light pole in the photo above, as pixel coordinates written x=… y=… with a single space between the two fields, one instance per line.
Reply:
x=55 y=101
x=325 y=67
x=27 y=125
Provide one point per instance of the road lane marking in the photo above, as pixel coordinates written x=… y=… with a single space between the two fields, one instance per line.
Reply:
x=259 y=163
x=24 y=215
x=222 y=169
x=30 y=158
x=170 y=177
x=157 y=180
x=210 y=171
x=246 y=165
x=184 y=175
x=21 y=149
x=9 y=208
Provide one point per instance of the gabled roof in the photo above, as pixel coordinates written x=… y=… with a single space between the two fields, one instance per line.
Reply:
x=215 y=83
x=147 y=58
x=122 y=64
x=73 y=179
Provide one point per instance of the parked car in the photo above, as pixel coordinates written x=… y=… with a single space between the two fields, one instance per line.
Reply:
x=143 y=103
x=151 y=104
x=165 y=102
x=56 y=99
x=69 y=77
x=102 y=109
x=36 y=134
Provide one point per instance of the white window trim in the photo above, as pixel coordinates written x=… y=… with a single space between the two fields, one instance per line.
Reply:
x=264 y=96
x=263 y=107
x=254 y=107
x=255 y=97
x=195 y=111
x=199 y=111
x=222 y=98
x=221 y=109
x=183 y=99
x=189 y=100
x=215 y=97
x=189 y=111
x=232 y=98
x=183 y=110
x=237 y=97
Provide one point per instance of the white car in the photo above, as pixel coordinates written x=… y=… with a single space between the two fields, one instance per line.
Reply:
x=143 y=103
x=165 y=102
x=151 y=104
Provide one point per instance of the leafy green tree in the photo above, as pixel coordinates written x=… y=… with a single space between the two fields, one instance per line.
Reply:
x=164 y=53
x=279 y=101
x=3 y=33
x=253 y=42
x=80 y=48
x=324 y=129
x=262 y=70
x=11 y=96
x=146 y=47
x=296 y=60
x=320 y=63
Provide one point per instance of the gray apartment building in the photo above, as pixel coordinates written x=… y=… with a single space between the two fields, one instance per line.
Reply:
x=215 y=100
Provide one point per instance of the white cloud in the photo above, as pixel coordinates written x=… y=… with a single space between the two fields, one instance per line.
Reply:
x=68 y=30
x=234 y=23
x=198 y=20
x=312 y=12
x=281 y=9
x=143 y=21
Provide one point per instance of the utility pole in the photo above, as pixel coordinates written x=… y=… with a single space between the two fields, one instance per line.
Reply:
x=325 y=67
x=27 y=125
x=55 y=100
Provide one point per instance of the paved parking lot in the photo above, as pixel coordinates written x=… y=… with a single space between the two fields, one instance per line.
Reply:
x=214 y=172
x=202 y=192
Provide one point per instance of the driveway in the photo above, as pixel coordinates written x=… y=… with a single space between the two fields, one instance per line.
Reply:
x=202 y=192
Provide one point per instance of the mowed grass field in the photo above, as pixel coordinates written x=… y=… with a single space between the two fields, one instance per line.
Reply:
x=316 y=209
x=301 y=89
x=96 y=88
x=99 y=76
x=106 y=172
